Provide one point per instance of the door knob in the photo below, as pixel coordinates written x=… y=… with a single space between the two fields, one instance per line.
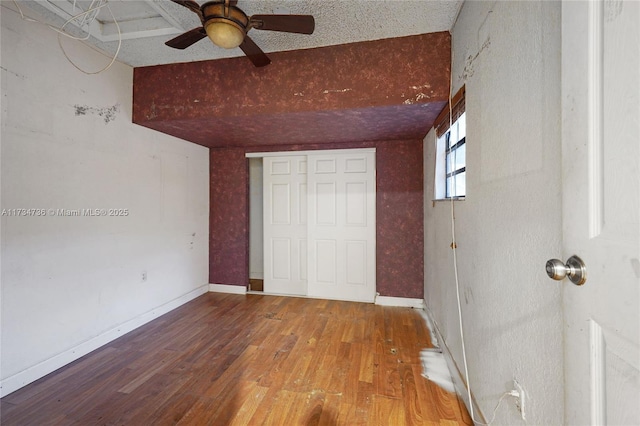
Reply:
x=575 y=269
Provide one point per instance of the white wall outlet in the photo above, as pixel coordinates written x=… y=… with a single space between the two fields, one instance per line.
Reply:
x=520 y=399
x=144 y=276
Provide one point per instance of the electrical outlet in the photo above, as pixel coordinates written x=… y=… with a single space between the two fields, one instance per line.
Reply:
x=520 y=399
x=144 y=276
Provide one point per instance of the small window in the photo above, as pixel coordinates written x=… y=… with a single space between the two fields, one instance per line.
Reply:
x=451 y=150
x=455 y=150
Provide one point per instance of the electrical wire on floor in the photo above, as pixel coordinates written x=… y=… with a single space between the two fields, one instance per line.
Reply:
x=84 y=19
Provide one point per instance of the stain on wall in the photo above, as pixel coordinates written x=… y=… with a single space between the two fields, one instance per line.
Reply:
x=108 y=114
x=399 y=228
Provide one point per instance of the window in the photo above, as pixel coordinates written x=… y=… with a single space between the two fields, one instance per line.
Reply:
x=455 y=150
x=450 y=179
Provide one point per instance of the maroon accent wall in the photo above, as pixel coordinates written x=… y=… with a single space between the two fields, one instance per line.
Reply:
x=399 y=215
x=400 y=219
x=228 y=223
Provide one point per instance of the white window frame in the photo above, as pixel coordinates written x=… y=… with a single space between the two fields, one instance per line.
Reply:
x=453 y=172
x=450 y=167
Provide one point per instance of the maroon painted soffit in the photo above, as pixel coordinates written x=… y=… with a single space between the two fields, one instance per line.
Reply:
x=375 y=90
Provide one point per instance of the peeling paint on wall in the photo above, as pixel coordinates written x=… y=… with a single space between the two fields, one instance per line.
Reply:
x=107 y=113
x=424 y=86
x=417 y=98
x=336 y=91
x=469 y=69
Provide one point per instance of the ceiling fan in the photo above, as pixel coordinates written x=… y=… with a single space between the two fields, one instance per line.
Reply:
x=227 y=26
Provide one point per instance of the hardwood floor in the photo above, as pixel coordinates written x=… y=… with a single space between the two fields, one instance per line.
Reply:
x=226 y=359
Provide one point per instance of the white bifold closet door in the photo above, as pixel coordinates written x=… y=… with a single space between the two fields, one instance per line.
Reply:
x=285 y=224
x=319 y=225
x=341 y=228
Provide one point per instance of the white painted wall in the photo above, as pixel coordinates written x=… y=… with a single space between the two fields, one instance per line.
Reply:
x=256 y=227
x=70 y=284
x=508 y=56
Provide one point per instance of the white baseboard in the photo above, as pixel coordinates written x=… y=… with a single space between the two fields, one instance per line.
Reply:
x=399 y=301
x=31 y=374
x=459 y=382
x=226 y=288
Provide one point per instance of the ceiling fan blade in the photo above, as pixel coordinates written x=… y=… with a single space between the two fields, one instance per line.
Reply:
x=187 y=39
x=191 y=5
x=254 y=53
x=301 y=24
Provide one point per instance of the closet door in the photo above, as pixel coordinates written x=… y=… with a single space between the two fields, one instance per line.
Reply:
x=341 y=226
x=285 y=227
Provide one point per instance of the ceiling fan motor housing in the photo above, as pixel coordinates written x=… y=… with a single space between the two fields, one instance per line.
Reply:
x=225 y=25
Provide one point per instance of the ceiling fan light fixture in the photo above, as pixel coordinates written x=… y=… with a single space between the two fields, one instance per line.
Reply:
x=224 y=33
x=227 y=26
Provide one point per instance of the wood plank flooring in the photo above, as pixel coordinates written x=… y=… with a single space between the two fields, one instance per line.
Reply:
x=225 y=359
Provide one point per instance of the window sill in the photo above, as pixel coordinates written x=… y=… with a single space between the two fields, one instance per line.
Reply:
x=440 y=200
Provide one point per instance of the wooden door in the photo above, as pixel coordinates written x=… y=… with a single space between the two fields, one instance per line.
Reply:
x=601 y=192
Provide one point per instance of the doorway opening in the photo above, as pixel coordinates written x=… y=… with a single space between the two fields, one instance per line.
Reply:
x=256 y=237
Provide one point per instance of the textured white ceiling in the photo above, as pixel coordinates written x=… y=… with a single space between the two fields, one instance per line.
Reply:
x=337 y=22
